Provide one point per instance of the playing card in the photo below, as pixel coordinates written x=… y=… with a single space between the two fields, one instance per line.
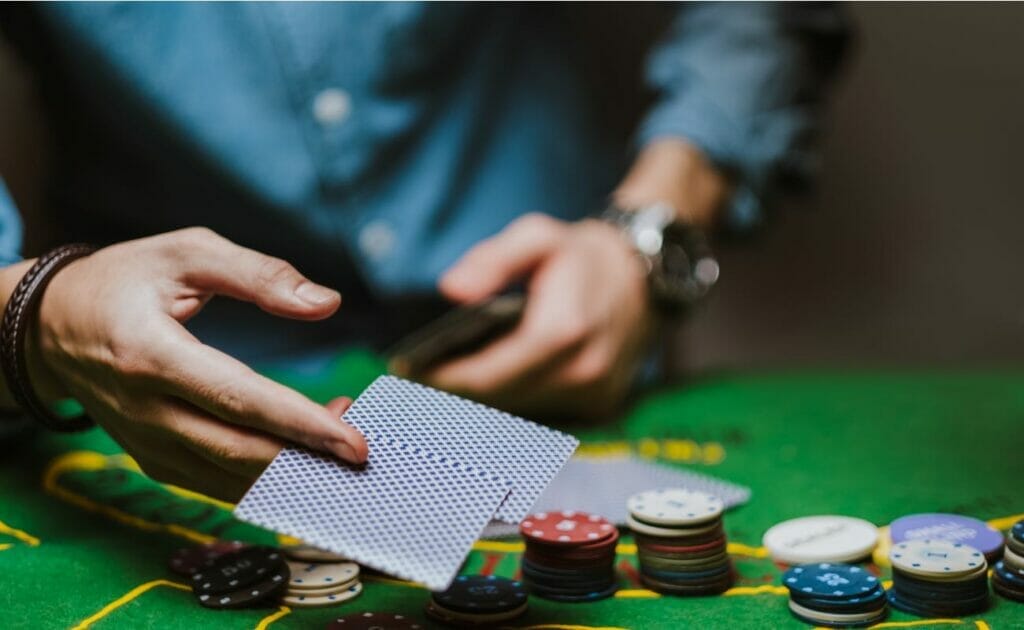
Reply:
x=525 y=454
x=601 y=485
x=405 y=512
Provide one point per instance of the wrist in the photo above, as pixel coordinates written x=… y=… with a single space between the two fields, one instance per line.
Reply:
x=673 y=171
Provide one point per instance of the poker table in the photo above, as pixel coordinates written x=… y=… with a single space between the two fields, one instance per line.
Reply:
x=85 y=537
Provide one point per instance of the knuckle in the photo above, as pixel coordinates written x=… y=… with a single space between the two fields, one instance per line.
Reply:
x=535 y=222
x=273 y=271
x=590 y=369
x=568 y=332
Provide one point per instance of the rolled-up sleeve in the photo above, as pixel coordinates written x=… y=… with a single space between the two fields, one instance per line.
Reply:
x=10 y=229
x=745 y=82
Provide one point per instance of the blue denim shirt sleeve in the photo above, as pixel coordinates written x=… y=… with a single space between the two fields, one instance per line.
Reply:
x=10 y=229
x=743 y=82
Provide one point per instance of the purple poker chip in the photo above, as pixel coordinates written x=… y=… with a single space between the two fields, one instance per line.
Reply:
x=949 y=527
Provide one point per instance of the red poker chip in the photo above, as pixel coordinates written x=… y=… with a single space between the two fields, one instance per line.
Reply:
x=692 y=549
x=566 y=528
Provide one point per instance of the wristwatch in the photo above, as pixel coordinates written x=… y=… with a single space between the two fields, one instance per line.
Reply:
x=681 y=268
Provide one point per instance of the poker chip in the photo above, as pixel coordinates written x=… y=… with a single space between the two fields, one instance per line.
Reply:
x=681 y=544
x=569 y=556
x=667 y=532
x=237 y=569
x=374 y=621
x=834 y=620
x=457 y=619
x=188 y=560
x=935 y=558
x=674 y=507
x=835 y=595
x=1015 y=538
x=566 y=528
x=269 y=589
x=938 y=578
x=1008 y=581
x=814 y=539
x=949 y=527
x=318 y=575
x=827 y=580
x=1013 y=560
x=483 y=594
x=319 y=601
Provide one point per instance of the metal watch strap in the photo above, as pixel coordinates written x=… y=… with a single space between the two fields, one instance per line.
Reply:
x=22 y=309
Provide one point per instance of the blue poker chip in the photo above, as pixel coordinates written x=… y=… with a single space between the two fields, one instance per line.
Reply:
x=1009 y=576
x=482 y=594
x=830 y=580
x=865 y=603
x=909 y=605
x=1017 y=531
x=576 y=599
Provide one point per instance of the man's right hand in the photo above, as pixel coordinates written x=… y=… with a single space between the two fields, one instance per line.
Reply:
x=111 y=335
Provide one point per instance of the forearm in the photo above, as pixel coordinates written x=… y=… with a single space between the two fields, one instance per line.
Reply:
x=9 y=278
x=674 y=171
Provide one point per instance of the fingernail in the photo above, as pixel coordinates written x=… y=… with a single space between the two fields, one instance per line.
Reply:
x=314 y=293
x=344 y=451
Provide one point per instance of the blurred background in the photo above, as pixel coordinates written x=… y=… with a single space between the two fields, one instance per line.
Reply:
x=911 y=249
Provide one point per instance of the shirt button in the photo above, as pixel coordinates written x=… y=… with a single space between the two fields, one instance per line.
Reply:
x=331 y=106
x=377 y=239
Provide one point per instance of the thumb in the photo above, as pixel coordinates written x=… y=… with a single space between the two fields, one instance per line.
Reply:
x=495 y=263
x=219 y=266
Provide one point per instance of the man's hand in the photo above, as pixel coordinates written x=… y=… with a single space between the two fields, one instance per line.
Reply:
x=110 y=335
x=587 y=319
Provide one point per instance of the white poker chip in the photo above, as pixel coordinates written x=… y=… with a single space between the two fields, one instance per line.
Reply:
x=936 y=558
x=317 y=575
x=827 y=617
x=318 y=592
x=319 y=601
x=675 y=506
x=814 y=539
x=666 y=532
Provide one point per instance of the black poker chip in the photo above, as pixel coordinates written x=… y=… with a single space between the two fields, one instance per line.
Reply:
x=270 y=588
x=238 y=569
x=482 y=594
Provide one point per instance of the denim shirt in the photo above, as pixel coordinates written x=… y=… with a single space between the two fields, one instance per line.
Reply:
x=373 y=144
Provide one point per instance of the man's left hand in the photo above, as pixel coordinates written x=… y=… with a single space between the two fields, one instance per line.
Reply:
x=587 y=320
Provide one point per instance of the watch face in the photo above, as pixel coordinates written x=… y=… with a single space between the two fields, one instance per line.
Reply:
x=687 y=269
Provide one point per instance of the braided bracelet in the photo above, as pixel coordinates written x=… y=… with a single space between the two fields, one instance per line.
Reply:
x=22 y=310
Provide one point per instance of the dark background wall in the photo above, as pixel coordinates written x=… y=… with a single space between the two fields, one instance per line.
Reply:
x=912 y=249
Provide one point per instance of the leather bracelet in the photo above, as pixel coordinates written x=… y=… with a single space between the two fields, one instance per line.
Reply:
x=21 y=311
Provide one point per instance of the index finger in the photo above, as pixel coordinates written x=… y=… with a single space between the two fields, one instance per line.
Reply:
x=232 y=391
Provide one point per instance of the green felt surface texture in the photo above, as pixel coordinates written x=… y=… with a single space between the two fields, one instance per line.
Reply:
x=81 y=529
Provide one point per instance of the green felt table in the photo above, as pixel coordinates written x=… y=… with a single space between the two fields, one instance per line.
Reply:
x=85 y=537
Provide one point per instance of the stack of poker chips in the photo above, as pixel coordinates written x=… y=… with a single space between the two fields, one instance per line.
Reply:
x=478 y=600
x=245 y=577
x=938 y=578
x=681 y=545
x=570 y=556
x=1008 y=575
x=319 y=584
x=835 y=595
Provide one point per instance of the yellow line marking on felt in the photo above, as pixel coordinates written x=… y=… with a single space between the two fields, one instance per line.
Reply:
x=1005 y=522
x=911 y=624
x=6 y=546
x=127 y=597
x=637 y=593
x=981 y=625
x=770 y=589
x=264 y=623
x=24 y=537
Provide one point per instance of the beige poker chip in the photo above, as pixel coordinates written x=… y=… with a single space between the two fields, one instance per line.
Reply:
x=320 y=601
